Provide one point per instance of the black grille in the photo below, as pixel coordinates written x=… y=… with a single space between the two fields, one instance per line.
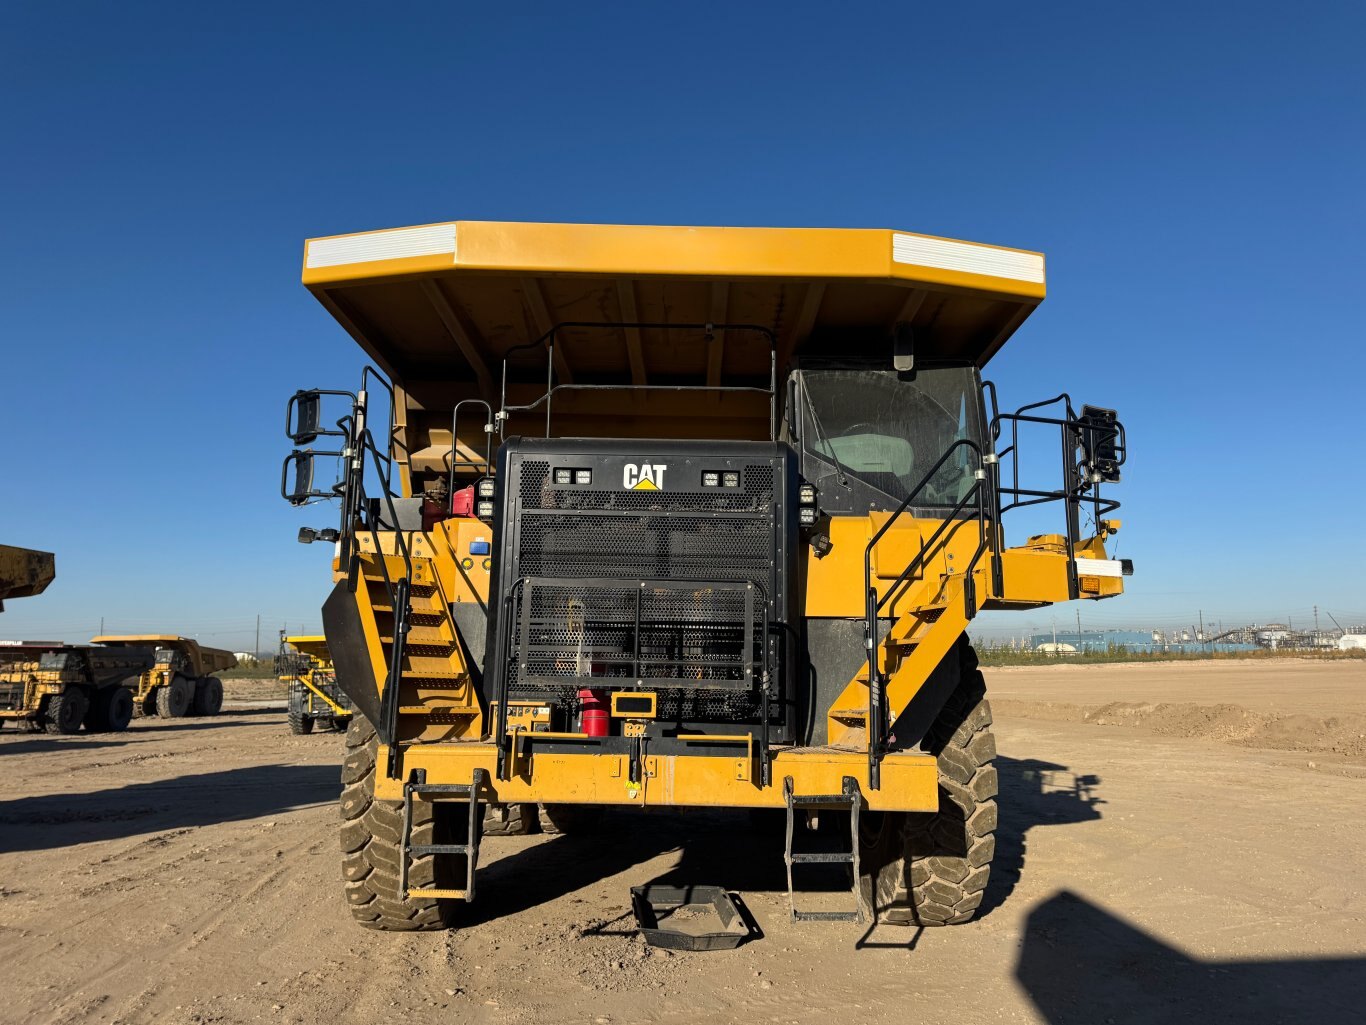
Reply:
x=678 y=590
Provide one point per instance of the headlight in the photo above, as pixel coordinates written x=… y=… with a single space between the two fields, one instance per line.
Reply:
x=806 y=494
x=485 y=488
x=484 y=510
x=806 y=515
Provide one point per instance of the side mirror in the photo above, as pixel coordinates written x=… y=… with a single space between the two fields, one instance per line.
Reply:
x=1099 y=436
x=303 y=417
x=296 y=478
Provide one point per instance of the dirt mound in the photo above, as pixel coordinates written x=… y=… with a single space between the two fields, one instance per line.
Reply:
x=1232 y=724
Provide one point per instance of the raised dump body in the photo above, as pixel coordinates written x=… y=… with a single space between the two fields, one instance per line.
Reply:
x=24 y=572
x=643 y=516
x=181 y=680
x=305 y=664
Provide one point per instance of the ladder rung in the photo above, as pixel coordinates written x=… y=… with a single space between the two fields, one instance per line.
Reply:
x=825 y=800
x=818 y=858
x=460 y=789
x=420 y=850
x=437 y=894
x=826 y=916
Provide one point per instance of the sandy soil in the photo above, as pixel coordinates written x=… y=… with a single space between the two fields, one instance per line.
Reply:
x=186 y=872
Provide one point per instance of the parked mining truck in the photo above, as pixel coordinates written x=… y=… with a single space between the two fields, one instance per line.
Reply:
x=304 y=664
x=181 y=680
x=692 y=517
x=56 y=687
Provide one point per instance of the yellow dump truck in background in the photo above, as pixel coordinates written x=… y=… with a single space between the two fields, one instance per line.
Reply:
x=641 y=516
x=314 y=697
x=181 y=681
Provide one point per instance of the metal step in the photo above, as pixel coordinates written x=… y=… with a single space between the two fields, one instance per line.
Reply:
x=436 y=710
x=849 y=798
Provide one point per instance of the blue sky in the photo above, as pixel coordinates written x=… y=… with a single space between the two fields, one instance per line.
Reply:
x=1194 y=177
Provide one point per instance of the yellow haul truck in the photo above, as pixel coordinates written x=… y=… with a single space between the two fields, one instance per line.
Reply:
x=314 y=697
x=672 y=516
x=181 y=682
x=46 y=685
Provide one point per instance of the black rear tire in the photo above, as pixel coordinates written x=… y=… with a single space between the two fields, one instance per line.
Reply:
x=932 y=869
x=208 y=696
x=111 y=711
x=371 y=839
x=299 y=724
x=66 y=711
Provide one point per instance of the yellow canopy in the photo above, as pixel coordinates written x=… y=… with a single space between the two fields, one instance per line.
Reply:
x=447 y=301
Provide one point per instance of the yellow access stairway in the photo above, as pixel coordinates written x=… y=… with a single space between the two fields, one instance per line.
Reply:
x=436 y=696
x=915 y=644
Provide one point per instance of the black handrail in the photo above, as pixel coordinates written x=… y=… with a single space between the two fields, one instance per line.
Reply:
x=1075 y=485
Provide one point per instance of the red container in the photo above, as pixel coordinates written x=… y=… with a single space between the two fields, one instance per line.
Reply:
x=596 y=717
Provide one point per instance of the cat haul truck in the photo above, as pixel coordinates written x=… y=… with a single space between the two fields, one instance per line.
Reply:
x=180 y=682
x=314 y=697
x=669 y=516
x=54 y=687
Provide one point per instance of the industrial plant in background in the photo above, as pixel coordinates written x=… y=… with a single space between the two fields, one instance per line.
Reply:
x=1192 y=640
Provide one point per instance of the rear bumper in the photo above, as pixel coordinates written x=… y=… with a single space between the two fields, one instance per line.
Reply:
x=910 y=782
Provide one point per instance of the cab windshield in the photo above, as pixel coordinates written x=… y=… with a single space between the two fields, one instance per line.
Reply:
x=884 y=430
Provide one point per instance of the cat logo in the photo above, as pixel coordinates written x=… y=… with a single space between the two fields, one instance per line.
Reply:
x=645 y=477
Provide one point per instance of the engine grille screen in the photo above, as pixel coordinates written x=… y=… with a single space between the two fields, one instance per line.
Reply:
x=672 y=589
x=647 y=633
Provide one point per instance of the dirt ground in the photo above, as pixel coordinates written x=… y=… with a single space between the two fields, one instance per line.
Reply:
x=1146 y=871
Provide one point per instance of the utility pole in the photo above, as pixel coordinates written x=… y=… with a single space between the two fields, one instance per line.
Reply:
x=256 y=651
x=1201 y=636
x=101 y=626
x=1078 y=611
x=1316 y=620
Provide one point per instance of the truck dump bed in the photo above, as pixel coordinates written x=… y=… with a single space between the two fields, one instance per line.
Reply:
x=24 y=572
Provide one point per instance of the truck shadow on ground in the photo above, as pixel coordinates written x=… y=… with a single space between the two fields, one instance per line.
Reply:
x=1081 y=965
x=1033 y=793
x=51 y=821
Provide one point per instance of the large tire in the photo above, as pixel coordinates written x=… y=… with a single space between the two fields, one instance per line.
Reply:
x=510 y=819
x=111 y=711
x=569 y=818
x=300 y=722
x=66 y=711
x=208 y=696
x=173 y=699
x=932 y=869
x=340 y=723
x=371 y=844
